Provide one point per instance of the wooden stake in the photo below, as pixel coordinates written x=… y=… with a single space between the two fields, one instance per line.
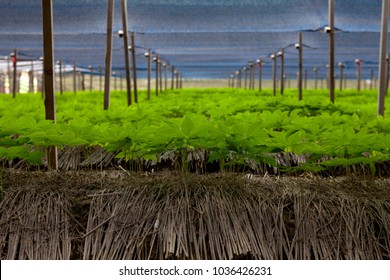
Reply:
x=14 y=63
x=149 y=56
x=74 y=78
x=110 y=23
x=300 y=66
x=134 y=67
x=126 y=47
x=331 y=51
x=48 y=62
x=382 y=90
x=281 y=54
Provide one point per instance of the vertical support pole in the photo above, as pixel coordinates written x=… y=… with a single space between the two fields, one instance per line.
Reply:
x=48 y=62
x=100 y=78
x=260 y=66
x=315 y=69
x=160 y=72
x=331 y=51
x=74 y=78
x=115 y=77
x=82 y=81
x=14 y=57
x=166 y=75
x=31 y=78
x=90 y=77
x=387 y=72
x=300 y=66
x=149 y=57
x=110 y=23
x=341 y=65
x=245 y=77
x=120 y=81
x=383 y=75
x=372 y=79
x=177 y=79
x=358 y=69
x=132 y=36
x=157 y=74
x=126 y=49
x=281 y=54
x=60 y=71
x=273 y=57
x=173 y=77
x=305 y=84
x=253 y=75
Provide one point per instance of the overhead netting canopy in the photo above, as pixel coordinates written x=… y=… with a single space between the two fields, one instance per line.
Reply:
x=203 y=38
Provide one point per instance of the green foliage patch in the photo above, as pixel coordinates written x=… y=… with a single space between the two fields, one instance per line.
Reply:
x=230 y=127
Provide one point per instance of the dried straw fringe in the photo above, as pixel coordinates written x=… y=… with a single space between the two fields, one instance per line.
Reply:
x=198 y=220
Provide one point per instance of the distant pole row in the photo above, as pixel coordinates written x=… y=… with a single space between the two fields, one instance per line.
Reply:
x=383 y=68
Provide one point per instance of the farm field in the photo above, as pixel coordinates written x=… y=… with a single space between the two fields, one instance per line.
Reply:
x=202 y=130
x=170 y=177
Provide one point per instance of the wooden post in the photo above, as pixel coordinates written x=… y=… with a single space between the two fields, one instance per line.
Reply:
x=387 y=72
x=252 y=71
x=331 y=51
x=100 y=78
x=260 y=66
x=148 y=54
x=341 y=65
x=90 y=77
x=244 y=70
x=31 y=78
x=281 y=55
x=177 y=79
x=120 y=81
x=273 y=57
x=383 y=75
x=358 y=69
x=47 y=19
x=372 y=79
x=155 y=59
x=14 y=57
x=173 y=77
x=110 y=22
x=115 y=85
x=82 y=81
x=299 y=46
x=132 y=36
x=126 y=49
x=166 y=75
x=160 y=72
x=59 y=62
x=74 y=78
x=315 y=69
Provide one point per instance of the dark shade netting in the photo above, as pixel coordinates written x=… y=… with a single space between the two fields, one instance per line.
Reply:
x=204 y=39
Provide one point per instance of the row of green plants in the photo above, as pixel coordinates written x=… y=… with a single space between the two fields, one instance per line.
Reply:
x=233 y=128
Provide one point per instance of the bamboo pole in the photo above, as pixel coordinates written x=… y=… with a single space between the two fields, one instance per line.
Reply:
x=149 y=57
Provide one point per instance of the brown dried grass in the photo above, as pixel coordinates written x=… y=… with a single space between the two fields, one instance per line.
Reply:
x=121 y=215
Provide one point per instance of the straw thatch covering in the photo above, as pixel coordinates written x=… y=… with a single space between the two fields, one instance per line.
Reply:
x=116 y=215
